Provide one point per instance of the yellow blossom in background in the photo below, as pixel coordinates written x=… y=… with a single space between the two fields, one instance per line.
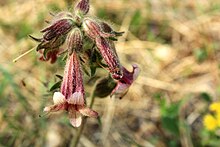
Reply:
x=215 y=107
x=210 y=122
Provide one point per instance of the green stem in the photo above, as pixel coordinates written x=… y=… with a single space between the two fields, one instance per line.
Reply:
x=76 y=139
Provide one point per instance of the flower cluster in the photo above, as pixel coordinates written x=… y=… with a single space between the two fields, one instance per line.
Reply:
x=69 y=34
x=212 y=121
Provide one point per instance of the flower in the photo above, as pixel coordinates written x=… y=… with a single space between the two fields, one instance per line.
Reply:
x=210 y=122
x=93 y=29
x=125 y=82
x=58 y=28
x=71 y=96
x=109 y=55
x=54 y=36
x=215 y=107
x=82 y=7
x=74 y=41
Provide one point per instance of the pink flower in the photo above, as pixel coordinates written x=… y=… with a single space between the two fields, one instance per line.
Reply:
x=71 y=96
x=125 y=82
x=93 y=29
x=74 y=41
x=82 y=7
x=110 y=56
x=57 y=28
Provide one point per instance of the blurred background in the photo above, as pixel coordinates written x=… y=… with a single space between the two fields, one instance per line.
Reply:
x=176 y=45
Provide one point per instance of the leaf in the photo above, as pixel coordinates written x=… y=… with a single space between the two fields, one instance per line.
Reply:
x=206 y=97
x=85 y=69
x=55 y=86
x=93 y=70
x=113 y=38
x=170 y=124
x=59 y=76
x=169 y=117
x=45 y=54
x=99 y=121
x=104 y=87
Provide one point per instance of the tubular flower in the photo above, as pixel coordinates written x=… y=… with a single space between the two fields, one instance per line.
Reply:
x=71 y=96
x=109 y=56
x=58 y=28
x=93 y=29
x=88 y=41
x=54 y=36
x=125 y=82
x=74 y=41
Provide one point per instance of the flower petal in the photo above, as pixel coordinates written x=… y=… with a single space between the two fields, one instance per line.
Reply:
x=120 y=90
x=136 y=71
x=76 y=98
x=88 y=112
x=58 y=98
x=125 y=82
x=54 y=108
x=75 y=117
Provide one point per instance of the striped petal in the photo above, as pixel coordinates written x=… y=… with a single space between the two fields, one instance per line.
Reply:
x=75 y=117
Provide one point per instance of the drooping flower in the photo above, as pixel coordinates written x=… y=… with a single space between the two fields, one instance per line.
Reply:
x=71 y=96
x=110 y=56
x=54 y=36
x=125 y=82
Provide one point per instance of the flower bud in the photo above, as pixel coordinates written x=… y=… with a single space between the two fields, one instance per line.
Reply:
x=125 y=82
x=82 y=7
x=93 y=29
x=105 y=27
x=58 y=28
x=74 y=41
x=109 y=56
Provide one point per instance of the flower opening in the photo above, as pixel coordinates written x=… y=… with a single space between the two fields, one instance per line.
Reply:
x=71 y=96
x=125 y=82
